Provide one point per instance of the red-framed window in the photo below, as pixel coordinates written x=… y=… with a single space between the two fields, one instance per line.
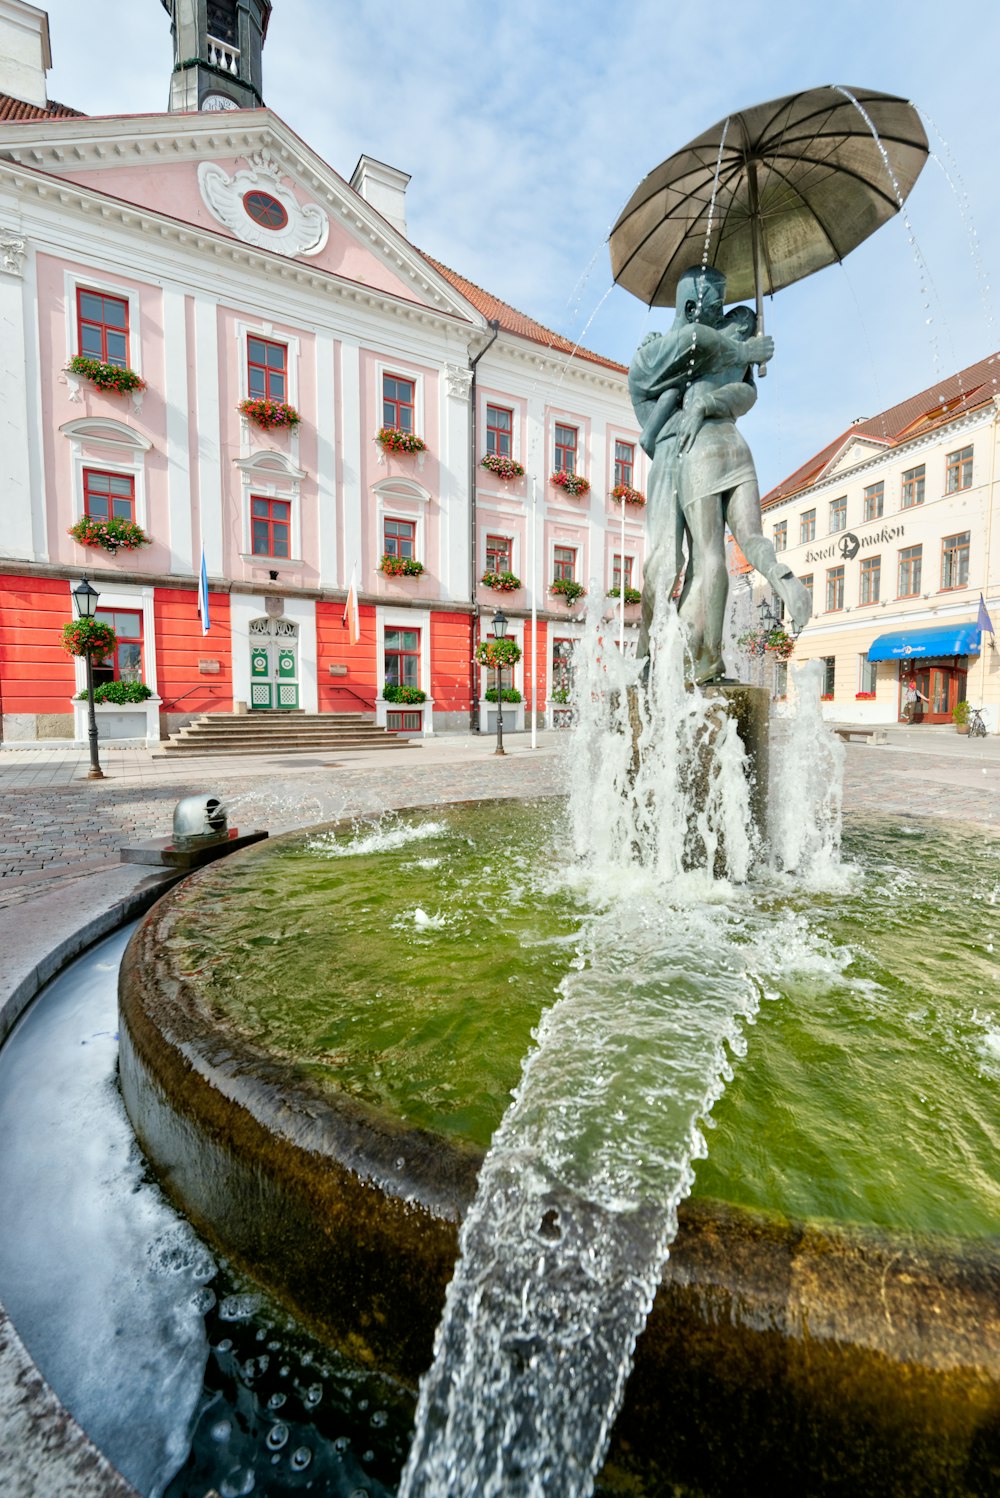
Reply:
x=910 y=567
x=624 y=462
x=500 y=431
x=958 y=471
x=267 y=369
x=270 y=527
x=398 y=403
x=562 y=663
x=498 y=553
x=871 y=582
x=402 y=657
x=125 y=661
x=265 y=209
x=108 y=496
x=102 y=326
x=404 y=722
x=564 y=562
x=616 y=576
x=834 y=589
x=399 y=538
x=567 y=439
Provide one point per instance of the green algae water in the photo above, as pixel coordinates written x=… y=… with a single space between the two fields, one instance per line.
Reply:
x=408 y=962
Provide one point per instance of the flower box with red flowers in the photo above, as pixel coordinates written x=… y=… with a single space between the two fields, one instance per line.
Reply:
x=826 y=697
x=504 y=468
x=632 y=595
x=630 y=496
x=503 y=582
x=573 y=483
x=269 y=415
x=400 y=566
x=864 y=696
x=113 y=534
x=392 y=440
x=109 y=377
x=89 y=637
x=566 y=589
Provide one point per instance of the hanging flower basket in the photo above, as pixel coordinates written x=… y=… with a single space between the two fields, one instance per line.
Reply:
x=89 y=637
x=503 y=582
x=504 y=653
x=504 y=468
x=567 y=589
x=106 y=376
x=111 y=535
x=632 y=595
x=400 y=566
x=269 y=415
x=396 y=693
x=573 y=483
x=630 y=496
x=776 y=642
x=510 y=694
x=392 y=440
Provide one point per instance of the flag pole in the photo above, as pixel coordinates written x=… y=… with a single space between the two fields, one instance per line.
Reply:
x=534 y=617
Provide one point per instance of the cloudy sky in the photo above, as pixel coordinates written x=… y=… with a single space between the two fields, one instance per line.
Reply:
x=526 y=126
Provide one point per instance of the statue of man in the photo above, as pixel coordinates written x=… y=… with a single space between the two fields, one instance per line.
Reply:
x=688 y=387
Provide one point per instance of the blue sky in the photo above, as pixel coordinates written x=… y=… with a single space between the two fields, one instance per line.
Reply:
x=526 y=126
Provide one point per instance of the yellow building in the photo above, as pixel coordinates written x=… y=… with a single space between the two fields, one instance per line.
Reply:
x=892 y=527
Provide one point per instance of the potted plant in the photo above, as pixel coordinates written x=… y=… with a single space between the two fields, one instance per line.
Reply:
x=510 y=694
x=269 y=415
x=504 y=468
x=774 y=641
x=573 y=483
x=112 y=535
x=400 y=566
x=960 y=717
x=503 y=582
x=119 y=693
x=109 y=377
x=632 y=595
x=568 y=590
x=624 y=493
x=504 y=653
x=393 y=440
x=89 y=637
x=397 y=692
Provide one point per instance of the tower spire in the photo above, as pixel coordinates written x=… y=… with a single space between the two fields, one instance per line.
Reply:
x=217 y=53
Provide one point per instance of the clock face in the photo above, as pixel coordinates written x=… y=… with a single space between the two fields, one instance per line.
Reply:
x=218 y=101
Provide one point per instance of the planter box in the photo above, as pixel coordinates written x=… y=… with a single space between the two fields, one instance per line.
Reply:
x=134 y=722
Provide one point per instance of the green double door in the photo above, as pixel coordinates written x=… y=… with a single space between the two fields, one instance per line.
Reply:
x=274 y=672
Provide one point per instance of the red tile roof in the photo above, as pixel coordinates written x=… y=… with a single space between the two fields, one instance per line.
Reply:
x=17 y=109
x=960 y=393
x=513 y=321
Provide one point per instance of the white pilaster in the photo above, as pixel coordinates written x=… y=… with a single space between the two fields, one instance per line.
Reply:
x=206 y=329
x=326 y=462
x=354 y=496
x=16 y=309
x=183 y=550
x=454 y=498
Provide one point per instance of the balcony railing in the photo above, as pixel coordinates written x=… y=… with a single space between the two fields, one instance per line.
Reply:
x=222 y=55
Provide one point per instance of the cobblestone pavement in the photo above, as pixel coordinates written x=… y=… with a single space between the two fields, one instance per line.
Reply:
x=56 y=827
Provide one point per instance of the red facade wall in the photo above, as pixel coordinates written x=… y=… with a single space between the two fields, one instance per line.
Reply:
x=451 y=652
x=535 y=693
x=355 y=692
x=36 y=674
x=180 y=645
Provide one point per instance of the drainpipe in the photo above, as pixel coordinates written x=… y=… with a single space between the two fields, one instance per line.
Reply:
x=494 y=323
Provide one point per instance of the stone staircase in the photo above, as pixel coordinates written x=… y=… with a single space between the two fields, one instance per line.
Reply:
x=279 y=733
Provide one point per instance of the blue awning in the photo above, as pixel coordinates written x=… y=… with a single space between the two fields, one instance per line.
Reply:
x=940 y=639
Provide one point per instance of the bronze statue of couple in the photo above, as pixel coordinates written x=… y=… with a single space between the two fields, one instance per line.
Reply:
x=688 y=387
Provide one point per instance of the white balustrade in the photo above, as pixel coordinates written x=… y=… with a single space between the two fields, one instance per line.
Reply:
x=222 y=55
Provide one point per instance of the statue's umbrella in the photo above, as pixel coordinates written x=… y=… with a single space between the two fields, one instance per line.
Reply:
x=770 y=194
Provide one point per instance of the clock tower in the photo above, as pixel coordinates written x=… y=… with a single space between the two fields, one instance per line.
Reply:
x=217 y=53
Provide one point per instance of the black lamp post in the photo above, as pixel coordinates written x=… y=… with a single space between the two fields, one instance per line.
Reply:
x=499 y=633
x=85 y=597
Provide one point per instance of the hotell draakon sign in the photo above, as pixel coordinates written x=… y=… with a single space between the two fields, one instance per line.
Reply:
x=848 y=546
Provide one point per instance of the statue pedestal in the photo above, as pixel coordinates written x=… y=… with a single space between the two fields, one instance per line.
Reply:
x=751 y=708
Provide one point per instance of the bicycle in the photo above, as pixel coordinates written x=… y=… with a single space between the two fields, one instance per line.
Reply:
x=977 y=728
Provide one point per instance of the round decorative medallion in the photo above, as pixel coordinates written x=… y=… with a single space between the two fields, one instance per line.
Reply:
x=265 y=209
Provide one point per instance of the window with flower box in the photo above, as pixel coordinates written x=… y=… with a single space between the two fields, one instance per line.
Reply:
x=102 y=327
x=955 y=561
x=781 y=535
x=867 y=675
x=838 y=514
x=624 y=463
x=267 y=369
x=566 y=448
x=807 y=526
x=499 y=550
x=125 y=661
x=910 y=566
x=562 y=665
x=564 y=563
x=874 y=501
x=398 y=403
x=500 y=431
x=402 y=657
x=616 y=571
x=270 y=526
x=871 y=580
x=399 y=538
x=914 y=480
x=108 y=496
x=958 y=471
x=834 y=589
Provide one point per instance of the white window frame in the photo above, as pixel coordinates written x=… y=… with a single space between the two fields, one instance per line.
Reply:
x=401 y=370
x=137 y=600
x=580 y=546
x=404 y=619
x=266 y=330
x=392 y=497
x=583 y=454
x=272 y=475
x=76 y=280
x=118 y=449
x=627 y=556
x=512 y=537
x=507 y=403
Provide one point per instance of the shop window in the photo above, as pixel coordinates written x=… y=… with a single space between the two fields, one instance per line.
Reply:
x=958 y=471
x=955 y=561
x=564 y=563
x=102 y=327
x=838 y=514
x=267 y=369
x=499 y=431
x=874 y=501
x=834 y=589
x=125 y=661
x=781 y=535
x=807 y=583
x=829 y=663
x=867 y=674
x=270 y=527
x=624 y=463
x=399 y=538
x=398 y=403
x=807 y=526
x=566 y=448
x=913 y=487
x=616 y=573
x=402 y=657
x=910 y=567
x=499 y=550
x=108 y=496
x=871 y=580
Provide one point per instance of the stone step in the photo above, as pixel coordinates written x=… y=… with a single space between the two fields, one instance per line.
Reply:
x=306 y=746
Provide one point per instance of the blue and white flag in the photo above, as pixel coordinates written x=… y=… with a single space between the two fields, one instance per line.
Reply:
x=984 y=621
x=203 y=594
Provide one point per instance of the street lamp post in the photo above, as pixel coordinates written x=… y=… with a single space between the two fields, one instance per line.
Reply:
x=499 y=632
x=85 y=597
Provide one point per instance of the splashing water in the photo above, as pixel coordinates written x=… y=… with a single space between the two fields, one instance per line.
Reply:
x=806 y=791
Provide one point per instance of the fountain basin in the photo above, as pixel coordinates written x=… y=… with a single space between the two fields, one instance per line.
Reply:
x=834 y=1357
